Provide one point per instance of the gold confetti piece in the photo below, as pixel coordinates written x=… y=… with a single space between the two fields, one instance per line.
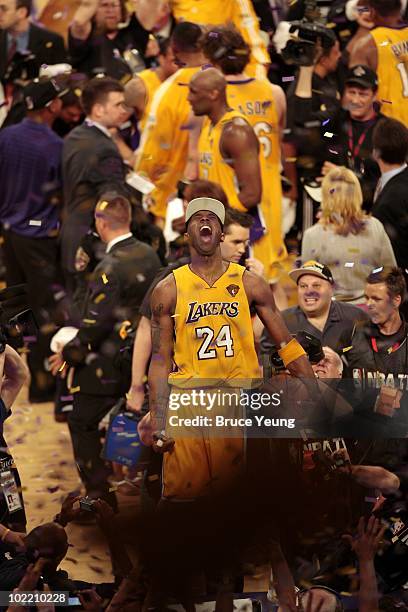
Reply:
x=75 y=389
x=104 y=278
x=102 y=205
x=89 y=321
x=99 y=298
x=347 y=348
x=62 y=367
x=346 y=571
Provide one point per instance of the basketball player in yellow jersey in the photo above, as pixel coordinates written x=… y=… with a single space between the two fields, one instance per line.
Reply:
x=164 y=144
x=218 y=12
x=264 y=107
x=201 y=322
x=229 y=153
x=228 y=146
x=385 y=50
x=139 y=91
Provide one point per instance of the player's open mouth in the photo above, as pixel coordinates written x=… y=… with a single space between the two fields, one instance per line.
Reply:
x=205 y=230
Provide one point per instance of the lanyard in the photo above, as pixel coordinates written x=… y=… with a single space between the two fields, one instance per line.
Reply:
x=354 y=150
x=390 y=350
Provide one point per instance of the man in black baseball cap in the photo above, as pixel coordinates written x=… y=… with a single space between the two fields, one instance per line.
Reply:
x=40 y=93
x=30 y=173
x=317 y=313
x=353 y=126
x=363 y=77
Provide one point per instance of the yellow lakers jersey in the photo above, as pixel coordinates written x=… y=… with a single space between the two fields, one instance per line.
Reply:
x=212 y=165
x=269 y=249
x=214 y=341
x=239 y=12
x=163 y=150
x=255 y=100
x=152 y=83
x=392 y=71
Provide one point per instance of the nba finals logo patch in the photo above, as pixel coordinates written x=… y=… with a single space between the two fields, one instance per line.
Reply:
x=233 y=290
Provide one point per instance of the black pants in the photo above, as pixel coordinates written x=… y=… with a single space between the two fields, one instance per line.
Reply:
x=83 y=421
x=34 y=261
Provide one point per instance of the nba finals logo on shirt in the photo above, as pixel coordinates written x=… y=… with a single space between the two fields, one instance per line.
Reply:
x=196 y=310
x=233 y=290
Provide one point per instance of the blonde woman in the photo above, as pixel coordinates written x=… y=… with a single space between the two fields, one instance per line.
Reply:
x=345 y=238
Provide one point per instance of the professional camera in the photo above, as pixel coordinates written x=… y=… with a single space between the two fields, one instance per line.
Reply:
x=391 y=562
x=16 y=317
x=86 y=503
x=311 y=345
x=302 y=37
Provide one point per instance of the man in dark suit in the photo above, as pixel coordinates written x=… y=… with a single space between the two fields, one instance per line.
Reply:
x=115 y=294
x=91 y=165
x=19 y=35
x=390 y=149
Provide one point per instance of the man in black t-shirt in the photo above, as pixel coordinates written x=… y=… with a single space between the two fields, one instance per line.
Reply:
x=353 y=126
x=378 y=359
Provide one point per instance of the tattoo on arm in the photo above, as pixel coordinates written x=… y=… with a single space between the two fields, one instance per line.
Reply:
x=156 y=332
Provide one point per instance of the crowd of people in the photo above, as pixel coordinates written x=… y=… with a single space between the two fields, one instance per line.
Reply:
x=204 y=230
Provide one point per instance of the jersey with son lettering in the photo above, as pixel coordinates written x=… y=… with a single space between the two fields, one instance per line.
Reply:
x=214 y=341
x=392 y=70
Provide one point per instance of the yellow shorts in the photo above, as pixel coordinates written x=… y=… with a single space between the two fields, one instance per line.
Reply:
x=203 y=461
